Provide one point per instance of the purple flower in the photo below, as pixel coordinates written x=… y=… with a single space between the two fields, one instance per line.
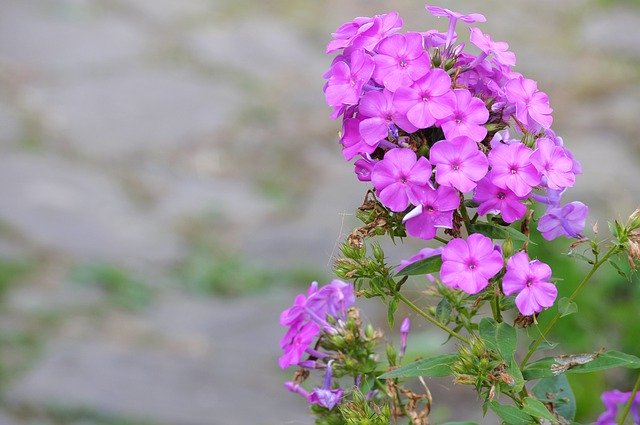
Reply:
x=530 y=279
x=563 y=221
x=467 y=118
x=453 y=19
x=469 y=264
x=459 y=163
x=434 y=211
x=532 y=105
x=404 y=335
x=552 y=197
x=347 y=32
x=488 y=46
x=612 y=400
x=493 y=199
x=346 y=80
x=429 y=99
x=332 y=299
x=325 y=396
x=380 y=116
x=400 y=178
x=383 y=26
x=363 y=168
x=400 y=61
x=421 y=255
x=295 y=343
x=353 y=144
x=553 y=163
x=511 y=168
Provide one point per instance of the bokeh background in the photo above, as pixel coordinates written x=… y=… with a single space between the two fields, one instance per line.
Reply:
x=169 y=179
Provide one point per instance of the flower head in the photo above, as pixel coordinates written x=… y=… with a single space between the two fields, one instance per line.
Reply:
x=568 y=221
x=469 y=264
x=380 y=116
x=459 y=163
x=434 y=211
x=496 y=200
x=325 y=396
x=499 y=49
x=532 y=105
x=400 y=60
x=401 y=178
x=453 y=19
x=346 y=80
x=530 y=279
x=511 y=168
x=554 y=164
x=467 y=118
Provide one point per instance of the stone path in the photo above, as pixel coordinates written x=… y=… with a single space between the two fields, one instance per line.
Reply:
x=134 y=132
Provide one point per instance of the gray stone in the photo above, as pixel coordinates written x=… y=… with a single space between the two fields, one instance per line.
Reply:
x=65 y=37
x=144 y=110
x=63 y=206
x=231 y=375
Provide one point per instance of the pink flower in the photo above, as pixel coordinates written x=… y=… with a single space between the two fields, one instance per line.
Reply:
x=467 y=118
x=434 y=211
x=453 y=19
x=346 y=80
x=530 y=279
x=553 y=163
x=459 y=163
x=495 y=200
x=469 y=264
x=400 y=61
x=511 y=168
x=401 y=178
x=499 y=49
x=429 y=99
x=379 y=115
x=532 y=105
x=566 y=221
x=383 y=26
x=353 y=144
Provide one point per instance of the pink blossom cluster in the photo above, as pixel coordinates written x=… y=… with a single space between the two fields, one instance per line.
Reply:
x=431 y=125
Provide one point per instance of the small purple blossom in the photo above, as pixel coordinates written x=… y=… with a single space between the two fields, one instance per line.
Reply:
x=467 y=118
x=568 y=221
x=511 y=168
x=532 y=105
x=404 y=335
x=469 y=264
x=400 y=60
x=453 y=19
x=429 y=99
x=363 y=168
x=554 y=164
x=551 y=198
x=346 y=81
x=459 y=163
x=499 y=49
x=401 y=178
x=434 y=211
x=530 y=279
x=383 y=26
x=325 y=396
x=380 y=116
x=353 y=144
x=496 y=200
x=612 y=400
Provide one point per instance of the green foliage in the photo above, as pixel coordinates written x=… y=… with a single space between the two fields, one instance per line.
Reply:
x=431 y=367
x=10 y=273
x=580 y=363
x=556 y=391
x=495 y=231
x=426 y=266
x=359 y=411
x=122 y=288
x=511 y=414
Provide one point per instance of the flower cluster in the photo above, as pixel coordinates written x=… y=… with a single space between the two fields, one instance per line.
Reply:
x=431 y=126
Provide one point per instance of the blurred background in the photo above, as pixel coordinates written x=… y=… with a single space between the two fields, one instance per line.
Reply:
x=170 y=178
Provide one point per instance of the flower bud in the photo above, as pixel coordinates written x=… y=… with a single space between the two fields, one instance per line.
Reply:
x=391 y=355
x=378 y=253
x=507 y=248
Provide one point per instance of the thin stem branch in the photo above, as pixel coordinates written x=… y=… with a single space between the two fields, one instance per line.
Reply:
x=572 y=297
x=627 y=406
x=431 y=319
x=439 y=239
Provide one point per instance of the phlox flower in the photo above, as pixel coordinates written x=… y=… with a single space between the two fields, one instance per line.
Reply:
x=511 y=168
x=614 y=399
x=401 y=178
x=325 y=396
x=554 y=164
x=434 y=211
x=453 y=19
x=383 y=26
x=459 y=163
x=467 y=118
x=400 y=60
x=532 y=105
x=347 y=32
x=496 y=200
x=346 y=80
x=568 y=221
x=427 y=100
x=363 y=168
x=380 y=116
x=499 y=49
x=469 y=264
x=352 y=142
x=295 y=342
x=530 y=279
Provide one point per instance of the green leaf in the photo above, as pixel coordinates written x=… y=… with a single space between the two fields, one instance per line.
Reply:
x=426 y=266
x=391 y=311
x=557 y=391
x=506 y=340
x=580 y=363
x=566 y=307
x=443 y=311
x=487 y=329
x=494 y=231
x=516 y=373
x=544 y=345
x=511 y=414
x=434 y=366
x=460 y=423
x=536 y=409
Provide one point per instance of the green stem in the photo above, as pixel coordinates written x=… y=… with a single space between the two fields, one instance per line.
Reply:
x=439 y=239
x=431 y=319
x=465 y=217
x=573 y=296
x=627 y=406
x=495 y=305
